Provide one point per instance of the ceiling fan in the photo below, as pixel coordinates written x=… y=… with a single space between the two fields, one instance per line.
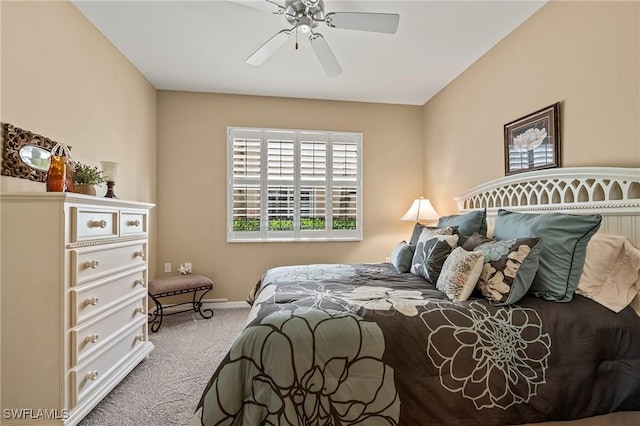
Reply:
x=305 y=15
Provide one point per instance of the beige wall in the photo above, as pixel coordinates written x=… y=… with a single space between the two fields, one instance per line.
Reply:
x=584 y=54
x=63 y=79
x=192 y=181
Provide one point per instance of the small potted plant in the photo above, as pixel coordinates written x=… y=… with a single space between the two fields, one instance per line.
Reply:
x=85 y=177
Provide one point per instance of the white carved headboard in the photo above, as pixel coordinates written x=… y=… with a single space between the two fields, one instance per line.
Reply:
x=612 y=192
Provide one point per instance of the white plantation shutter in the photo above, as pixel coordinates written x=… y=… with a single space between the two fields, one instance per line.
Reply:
x=280 y=155
x=246 y=202
x=288 y=185
x=345 y=193
x=313 y=160
x=313 y=208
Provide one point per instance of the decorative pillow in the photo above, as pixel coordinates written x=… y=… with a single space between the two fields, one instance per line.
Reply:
x=564 y=242
x=419 y=256
x=468 y=223
x=474 y=241
x=401 y=256
x=429 y=258
x=418 y=228
x=635 y=304
x=611 y=274
x=460 y=274
x=509 y=267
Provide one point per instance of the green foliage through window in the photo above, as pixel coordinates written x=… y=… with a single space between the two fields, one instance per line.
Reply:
x=306 y=224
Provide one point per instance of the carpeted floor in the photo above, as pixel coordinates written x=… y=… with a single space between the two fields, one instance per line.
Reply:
x=164 y=389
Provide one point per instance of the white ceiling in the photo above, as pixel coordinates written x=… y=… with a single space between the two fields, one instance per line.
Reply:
x=201 y=46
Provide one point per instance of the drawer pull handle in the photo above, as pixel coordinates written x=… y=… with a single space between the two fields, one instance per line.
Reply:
x=140 y=337
x=91 y=301
x=91 y=375
x=98 y=224
x=139 y=310
x=138 y=282
x=133 y=223
x=139 y=254
x=91 y=264
x=92 y=338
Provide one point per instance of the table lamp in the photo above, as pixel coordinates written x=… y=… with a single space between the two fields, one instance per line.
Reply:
x=110 y=173
x=421 y=209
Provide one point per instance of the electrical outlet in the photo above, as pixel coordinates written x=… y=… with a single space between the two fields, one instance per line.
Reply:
x=387 y=259
x=167 y=267
x=187 y=266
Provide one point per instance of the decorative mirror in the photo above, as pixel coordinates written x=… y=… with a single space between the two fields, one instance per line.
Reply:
x=24 y=154
x=35 y=157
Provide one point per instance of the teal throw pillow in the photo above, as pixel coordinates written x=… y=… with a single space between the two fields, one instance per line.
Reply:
x=401 y=256
x=467 y=223
x=563 y=247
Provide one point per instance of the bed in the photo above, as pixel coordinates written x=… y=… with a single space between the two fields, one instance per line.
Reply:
x=365 y=344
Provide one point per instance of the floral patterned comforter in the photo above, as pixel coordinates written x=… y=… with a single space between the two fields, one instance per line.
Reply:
x=365 y=345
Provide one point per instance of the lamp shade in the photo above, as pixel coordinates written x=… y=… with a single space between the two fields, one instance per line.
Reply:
x=421 y=209
x=110 y=170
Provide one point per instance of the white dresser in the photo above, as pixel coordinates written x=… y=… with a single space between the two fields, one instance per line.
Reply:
x=74 y=302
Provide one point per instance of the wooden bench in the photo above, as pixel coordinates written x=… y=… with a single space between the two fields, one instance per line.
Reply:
x=171 y=286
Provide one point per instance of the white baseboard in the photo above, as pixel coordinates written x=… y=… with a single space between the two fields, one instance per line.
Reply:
x=226 y=304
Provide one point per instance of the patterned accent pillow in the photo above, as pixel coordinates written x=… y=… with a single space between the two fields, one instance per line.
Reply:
x=419 y=256
x=430 y=260
x=401 y=256
x=418 y=228
x=509 y=267
x=460 y=274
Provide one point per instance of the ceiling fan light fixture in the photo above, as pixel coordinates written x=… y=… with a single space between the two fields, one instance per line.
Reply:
x=304 y=25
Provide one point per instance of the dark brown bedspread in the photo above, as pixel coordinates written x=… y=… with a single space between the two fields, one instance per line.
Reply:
x=365 y=345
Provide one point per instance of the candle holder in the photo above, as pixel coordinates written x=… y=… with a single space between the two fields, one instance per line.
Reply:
x=110 y=173
x=110 y=193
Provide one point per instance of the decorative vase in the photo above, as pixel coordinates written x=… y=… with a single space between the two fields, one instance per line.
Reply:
x=85 y=189
x=57 y=174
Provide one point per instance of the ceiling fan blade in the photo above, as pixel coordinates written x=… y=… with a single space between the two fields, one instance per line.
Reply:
x=269 y=48
x=266 y=5
x=325 y=55
x=376 y=22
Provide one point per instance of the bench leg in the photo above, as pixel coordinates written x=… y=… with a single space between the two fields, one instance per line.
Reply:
x=197 y=306
x=157 y=314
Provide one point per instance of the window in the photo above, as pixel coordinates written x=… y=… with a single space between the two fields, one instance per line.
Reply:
x=290 y=185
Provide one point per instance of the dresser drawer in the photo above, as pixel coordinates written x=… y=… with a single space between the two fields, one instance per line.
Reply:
x=93 y=299
x=89 y=338
x=93 y=224
x=133 y=223
x=88 y=377
x=91 y=263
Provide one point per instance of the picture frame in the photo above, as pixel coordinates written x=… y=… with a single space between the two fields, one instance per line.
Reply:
x=532 y=142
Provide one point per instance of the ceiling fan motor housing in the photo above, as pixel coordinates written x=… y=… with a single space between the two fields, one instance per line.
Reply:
x=304 y=12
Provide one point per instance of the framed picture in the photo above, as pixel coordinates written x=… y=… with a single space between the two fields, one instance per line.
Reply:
x=532 y=142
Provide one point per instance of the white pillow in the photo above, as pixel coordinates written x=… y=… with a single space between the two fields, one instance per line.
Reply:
x=611 y=274
x=460 y=274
